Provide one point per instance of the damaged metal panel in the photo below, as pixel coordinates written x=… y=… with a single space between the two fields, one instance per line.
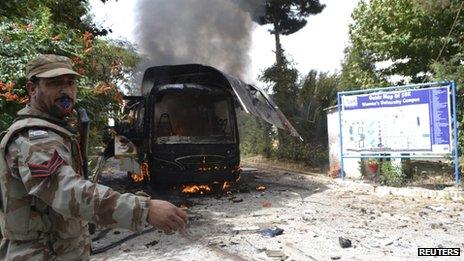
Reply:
x=257 y=103
x=252 y=99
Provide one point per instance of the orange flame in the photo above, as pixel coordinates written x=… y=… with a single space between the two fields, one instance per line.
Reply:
x=143 y=175
x=226 y=186
x=136 y=177
x=196 y=189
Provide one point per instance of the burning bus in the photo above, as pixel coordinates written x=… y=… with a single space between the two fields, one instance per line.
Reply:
x=183 y=128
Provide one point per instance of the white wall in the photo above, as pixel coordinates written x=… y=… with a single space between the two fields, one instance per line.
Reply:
x=351 y=166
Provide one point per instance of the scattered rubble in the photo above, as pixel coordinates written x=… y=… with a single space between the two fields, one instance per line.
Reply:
x=314 y=212
x=276 y=253
x=344 y=242
x=237 y=200
x=271 y=232
x=152 y=243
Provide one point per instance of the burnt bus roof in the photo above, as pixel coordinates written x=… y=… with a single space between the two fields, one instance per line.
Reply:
x=252 y=99
x=185 y=73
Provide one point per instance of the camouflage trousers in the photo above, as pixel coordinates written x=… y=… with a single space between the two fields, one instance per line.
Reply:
x=46 y=248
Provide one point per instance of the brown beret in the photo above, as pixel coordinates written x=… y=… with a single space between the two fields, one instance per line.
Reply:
x=49 y=66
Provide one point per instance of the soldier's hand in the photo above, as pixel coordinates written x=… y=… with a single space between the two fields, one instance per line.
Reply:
x=167 y=217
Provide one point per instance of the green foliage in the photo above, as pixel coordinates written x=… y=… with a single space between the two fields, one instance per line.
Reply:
x=408 y=33
x=318 y=91
x=358 y=70
x=284 y=80
x=302 y=101
x=421 y=40
x=391 y=175
x=255 y=136
x=71 y=13
x=388 y=174
x=20 y=40
x=289 y=16
x=105 y=64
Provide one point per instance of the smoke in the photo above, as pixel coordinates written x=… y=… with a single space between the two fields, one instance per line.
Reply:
x=209 y=32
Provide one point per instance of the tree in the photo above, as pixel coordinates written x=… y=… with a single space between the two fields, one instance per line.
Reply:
x=318 y=92
x=284 y=79
x=104 y=64
x=411 y=34
x=421 y=39
x=358 y=70
x=72 y=13
x=288 y=94
x=256 y=135
x=287 y=17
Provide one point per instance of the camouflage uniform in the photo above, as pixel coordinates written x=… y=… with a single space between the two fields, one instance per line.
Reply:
x=45 y=201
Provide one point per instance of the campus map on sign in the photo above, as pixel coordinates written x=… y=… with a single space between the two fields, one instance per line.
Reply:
x=416 y=120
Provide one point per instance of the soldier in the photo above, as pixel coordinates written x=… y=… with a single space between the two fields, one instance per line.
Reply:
x=45 y=202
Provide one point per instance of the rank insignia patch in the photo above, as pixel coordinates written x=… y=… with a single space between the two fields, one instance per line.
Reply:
x=47 y=168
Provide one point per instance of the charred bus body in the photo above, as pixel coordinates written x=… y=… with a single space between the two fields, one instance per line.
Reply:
x=192 y=126
x=183 y=129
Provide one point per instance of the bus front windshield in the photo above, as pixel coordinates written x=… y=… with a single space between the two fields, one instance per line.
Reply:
x=193 y=117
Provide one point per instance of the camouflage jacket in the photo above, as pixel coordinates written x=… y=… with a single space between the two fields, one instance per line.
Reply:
x=45 y=202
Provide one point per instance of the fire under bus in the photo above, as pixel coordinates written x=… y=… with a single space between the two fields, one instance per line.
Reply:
x=183 y=129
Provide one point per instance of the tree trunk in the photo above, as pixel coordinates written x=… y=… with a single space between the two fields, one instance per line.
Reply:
x=279 y=51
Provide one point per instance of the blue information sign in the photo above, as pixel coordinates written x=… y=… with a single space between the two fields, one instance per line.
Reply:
x=396 y=121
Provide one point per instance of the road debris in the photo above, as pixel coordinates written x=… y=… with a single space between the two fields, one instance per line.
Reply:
x=271 y=232
x=252 y=229
x=152 y=243
x=276 y=254
x=312 y=213
x=237 y=200
x=344 y=242
x=437 y=209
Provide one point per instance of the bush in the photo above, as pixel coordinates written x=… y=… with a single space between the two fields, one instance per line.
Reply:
x=391 y=175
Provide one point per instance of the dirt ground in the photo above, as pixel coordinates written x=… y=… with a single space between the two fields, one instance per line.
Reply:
x=315 y=215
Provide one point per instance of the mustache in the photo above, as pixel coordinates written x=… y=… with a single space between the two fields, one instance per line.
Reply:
x=65 y=96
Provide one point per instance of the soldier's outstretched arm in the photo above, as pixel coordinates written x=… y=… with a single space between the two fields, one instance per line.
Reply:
x=166 y=216
x=45 y=167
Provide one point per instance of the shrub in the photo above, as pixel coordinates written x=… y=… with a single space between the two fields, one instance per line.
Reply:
x=391 y=175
